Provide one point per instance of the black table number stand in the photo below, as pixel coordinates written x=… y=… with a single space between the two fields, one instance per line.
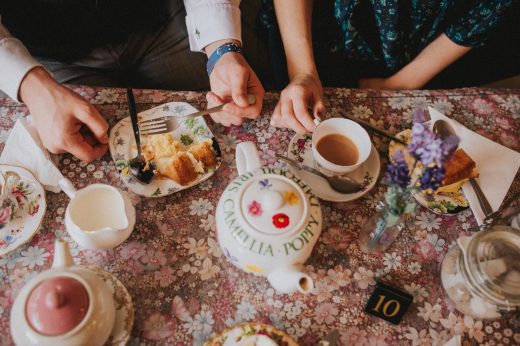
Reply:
x=388 y=303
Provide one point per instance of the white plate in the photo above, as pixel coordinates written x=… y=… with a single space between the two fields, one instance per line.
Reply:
x=29 y=216
x=124 y=321
x=122 y=147
x=300 y=149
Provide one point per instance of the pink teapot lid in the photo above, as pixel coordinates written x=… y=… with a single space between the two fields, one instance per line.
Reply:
x=57 y=305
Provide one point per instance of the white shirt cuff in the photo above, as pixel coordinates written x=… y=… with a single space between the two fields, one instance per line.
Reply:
x=15 y=62
x=207 y=26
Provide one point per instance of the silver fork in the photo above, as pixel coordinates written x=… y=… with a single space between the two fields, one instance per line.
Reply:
x=170 y=123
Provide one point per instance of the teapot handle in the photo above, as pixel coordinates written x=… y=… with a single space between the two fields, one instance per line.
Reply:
x=247 y=158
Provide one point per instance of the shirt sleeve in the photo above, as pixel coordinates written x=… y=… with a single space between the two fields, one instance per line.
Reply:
x=476 y=22
x=208 y=21
x=15 y=62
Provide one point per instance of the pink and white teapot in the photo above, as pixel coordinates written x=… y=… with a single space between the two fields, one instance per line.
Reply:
x=64 y=305
x=268 y=221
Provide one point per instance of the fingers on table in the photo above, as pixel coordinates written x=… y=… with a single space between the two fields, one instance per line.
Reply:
x=88 y=115
x=79 y=147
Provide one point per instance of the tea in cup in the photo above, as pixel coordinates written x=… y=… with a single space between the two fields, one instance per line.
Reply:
x=340 y=145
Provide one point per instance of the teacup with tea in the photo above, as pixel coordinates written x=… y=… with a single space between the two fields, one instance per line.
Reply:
x=340 y=145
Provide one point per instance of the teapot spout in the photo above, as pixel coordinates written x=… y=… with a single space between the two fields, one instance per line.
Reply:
x=62 y=256
x=290 y=280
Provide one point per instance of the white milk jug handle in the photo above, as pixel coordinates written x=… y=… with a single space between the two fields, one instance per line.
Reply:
x=247 y=158
x=67 y=187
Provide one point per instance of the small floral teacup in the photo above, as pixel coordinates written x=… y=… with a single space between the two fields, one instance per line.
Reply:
x=8 y=198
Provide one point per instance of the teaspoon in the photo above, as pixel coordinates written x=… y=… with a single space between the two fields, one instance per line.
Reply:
x=339 y=183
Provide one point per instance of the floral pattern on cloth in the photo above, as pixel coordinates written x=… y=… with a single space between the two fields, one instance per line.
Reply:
x=185 y=289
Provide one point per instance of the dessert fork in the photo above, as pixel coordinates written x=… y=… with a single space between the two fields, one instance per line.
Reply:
x=170 y=123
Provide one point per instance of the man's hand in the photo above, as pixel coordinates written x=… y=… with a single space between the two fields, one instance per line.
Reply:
x=65 y=121
x=303 y=92
x=231 y=80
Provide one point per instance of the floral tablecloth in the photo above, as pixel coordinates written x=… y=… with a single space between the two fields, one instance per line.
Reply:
x=183 y=288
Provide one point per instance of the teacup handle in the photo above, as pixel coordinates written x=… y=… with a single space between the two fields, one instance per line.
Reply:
x=247 y=158
x=67 y=187
x=8 y=183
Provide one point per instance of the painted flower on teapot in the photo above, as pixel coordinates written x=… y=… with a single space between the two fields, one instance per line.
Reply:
x=268 y=221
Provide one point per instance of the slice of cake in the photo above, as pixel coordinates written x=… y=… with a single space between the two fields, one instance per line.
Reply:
x=203 y=152
x=457 y=170
x=179 y=168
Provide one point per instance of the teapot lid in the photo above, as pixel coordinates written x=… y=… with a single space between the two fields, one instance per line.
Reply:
x=492 y=259
x=273 y=205
x=56 y=305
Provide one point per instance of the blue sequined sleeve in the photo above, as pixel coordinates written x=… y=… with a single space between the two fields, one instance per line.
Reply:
x=477 y=21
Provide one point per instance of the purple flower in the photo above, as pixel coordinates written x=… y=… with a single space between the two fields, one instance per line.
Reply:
x=449 y=145
x=421 y=137
x=432 y=178
x=427 y=148
x=418 y=116
x=431 y=153
x=397 y=173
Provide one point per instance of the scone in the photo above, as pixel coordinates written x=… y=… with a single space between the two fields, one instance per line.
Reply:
x=203 y=152
x=159 y=146
x=179 y=168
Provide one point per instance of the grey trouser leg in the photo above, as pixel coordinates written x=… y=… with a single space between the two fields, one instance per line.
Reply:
x=158 y=60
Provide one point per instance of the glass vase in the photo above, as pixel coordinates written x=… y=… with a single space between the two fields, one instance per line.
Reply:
x=381 y=229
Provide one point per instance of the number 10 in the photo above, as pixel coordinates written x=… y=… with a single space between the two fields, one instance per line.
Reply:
x=387 y=306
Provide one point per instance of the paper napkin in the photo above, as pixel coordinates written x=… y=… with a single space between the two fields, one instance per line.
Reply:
x=497 y=165
x=25 y=149
x=454 y=341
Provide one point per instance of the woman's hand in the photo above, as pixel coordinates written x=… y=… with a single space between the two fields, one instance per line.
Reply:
x=374 y=83
x=303 y=93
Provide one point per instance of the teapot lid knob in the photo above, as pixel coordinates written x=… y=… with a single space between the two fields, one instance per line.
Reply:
x=273 y=200
x=54 y=299
x=57 y=305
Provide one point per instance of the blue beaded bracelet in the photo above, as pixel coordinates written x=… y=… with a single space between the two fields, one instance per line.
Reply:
x=223 y=49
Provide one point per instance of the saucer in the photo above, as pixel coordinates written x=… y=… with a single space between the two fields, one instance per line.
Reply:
x=231 y=336
x=122 y=148
x=29 y=216
x=124 y=321
x=300 y=149
x=445 y=204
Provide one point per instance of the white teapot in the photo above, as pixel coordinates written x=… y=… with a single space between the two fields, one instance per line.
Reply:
x=268 y=221
x=65 y=305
